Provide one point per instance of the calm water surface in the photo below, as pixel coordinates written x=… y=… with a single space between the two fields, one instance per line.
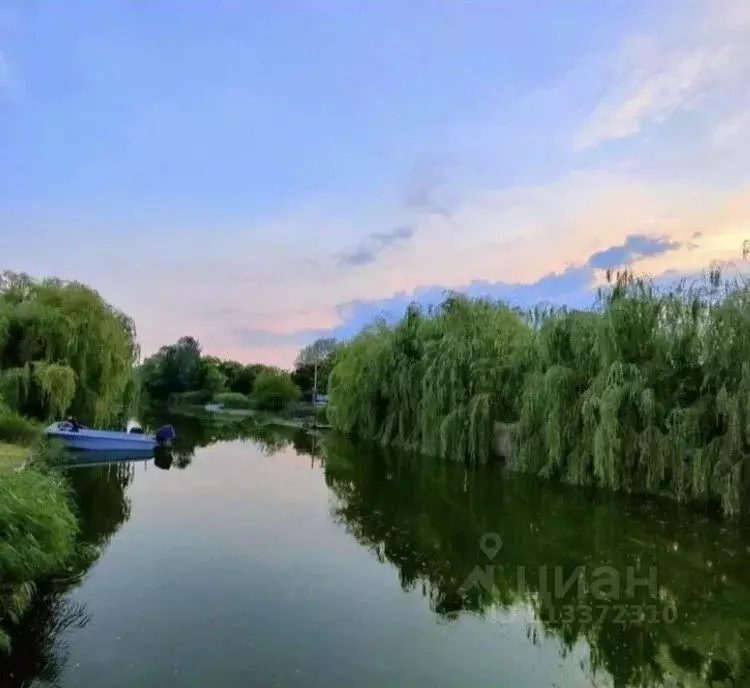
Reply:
x=254 y=563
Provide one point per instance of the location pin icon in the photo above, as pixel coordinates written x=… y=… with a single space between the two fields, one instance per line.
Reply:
x=491 y=544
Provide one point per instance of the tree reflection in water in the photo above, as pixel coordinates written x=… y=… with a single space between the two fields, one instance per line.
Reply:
x=39 y=648
x=427 y=519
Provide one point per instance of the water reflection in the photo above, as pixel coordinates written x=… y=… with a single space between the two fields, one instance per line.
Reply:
x=196 y=430
x=163 y=458
x=428 y=520
x=39 y=652
x=562 y=559
x=39 y=649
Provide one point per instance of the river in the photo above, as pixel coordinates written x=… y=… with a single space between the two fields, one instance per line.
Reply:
x=270 y=561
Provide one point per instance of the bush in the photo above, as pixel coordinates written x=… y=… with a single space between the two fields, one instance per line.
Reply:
x=48 y=454
x=16 y=429
x=274 y=390
x=321 y=415
x=232 y=400
x=196 y=398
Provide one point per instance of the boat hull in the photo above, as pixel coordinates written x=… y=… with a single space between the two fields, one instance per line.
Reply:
x=99 y=440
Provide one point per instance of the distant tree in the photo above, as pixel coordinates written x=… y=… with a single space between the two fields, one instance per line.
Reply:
x=245 y=378
x=210 y=378
x=174 y=369
x=274 y=390
x=229 y=369
x=313 y=365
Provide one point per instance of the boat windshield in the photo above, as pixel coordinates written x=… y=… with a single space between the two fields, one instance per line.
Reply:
x=65 y=426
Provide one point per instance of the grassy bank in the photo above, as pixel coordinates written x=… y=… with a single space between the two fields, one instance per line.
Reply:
x=12 y=456
x=38 y=529
x=648 y=391
x=299 y=415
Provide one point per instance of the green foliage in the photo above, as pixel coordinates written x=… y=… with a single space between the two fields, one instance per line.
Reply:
x=321 y=354
x=648 y=392
x=38 y=532
x=210 y=378
x=63 y=349
x=321 y=415
x=435 y=382
x=274 y=390
x=16 y=429
x=12 y=456
x=180 y=374
x=57 y=384
x=240 y=377
x=174 y=369
x=198 y=397
x=232 y=400
x=428 y=518
x=47 y=454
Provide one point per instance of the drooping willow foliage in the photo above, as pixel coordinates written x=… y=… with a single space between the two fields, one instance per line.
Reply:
x=648 y=391
x=431 y=383
x=63 y=349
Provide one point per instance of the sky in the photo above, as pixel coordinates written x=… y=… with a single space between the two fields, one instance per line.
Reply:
x=260 y=173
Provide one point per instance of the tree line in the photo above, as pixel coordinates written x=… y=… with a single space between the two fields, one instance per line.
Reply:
x=648 y=391
x=180 y=373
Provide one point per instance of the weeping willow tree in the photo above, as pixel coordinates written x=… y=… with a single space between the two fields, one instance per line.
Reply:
x=63 y=349
x=435 y=382
x=648 y=392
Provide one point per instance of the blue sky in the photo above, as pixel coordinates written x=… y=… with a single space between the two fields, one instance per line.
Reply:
x=259 y=173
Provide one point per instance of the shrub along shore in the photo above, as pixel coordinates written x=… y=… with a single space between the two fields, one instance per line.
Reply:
x=648 y=391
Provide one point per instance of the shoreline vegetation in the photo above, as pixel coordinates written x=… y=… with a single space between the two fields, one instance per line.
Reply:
x=12 y=456
x=180 y=379
x=63 y=349
x=647 y=392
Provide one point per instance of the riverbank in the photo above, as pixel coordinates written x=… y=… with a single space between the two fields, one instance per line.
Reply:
x=12 y=456
x=263 y=418
x=646 y=392
x=39 y=528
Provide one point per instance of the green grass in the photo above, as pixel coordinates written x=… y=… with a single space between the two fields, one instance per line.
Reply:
x=232 y=400
x=17 y=429
x=38 y=531
x=12 y=456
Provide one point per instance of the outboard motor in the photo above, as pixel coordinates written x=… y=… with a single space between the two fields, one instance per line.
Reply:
x=164 y=435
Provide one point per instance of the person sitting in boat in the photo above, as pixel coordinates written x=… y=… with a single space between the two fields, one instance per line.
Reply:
x=75 y=426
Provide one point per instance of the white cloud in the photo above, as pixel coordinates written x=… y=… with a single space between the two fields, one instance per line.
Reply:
x=681 y=67
x=514 y=235
x=733 y=127
x=279 y=274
